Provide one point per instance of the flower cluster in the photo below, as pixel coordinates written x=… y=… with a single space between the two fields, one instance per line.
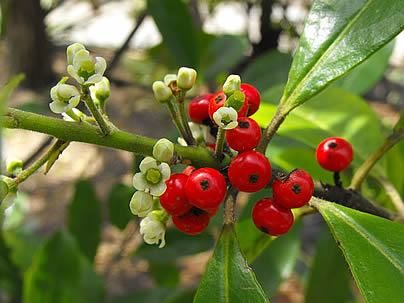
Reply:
x=88 y=72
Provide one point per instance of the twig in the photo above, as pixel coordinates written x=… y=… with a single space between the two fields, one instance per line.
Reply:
x=229 y=204
x=394 y=195
x=36 y=153
x=104 y=127
x=272 y=128
x=220 y=143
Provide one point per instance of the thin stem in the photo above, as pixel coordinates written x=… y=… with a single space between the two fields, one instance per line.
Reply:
x=272 y=128
x=220 y=143
x=229 y=204
x=72 y=115
x=25 y=174
x=394 y=196
x=176 y=120
x=104 y=127
x=367 y=166
x=184 y=120
x=337 y=179
x=83 y=132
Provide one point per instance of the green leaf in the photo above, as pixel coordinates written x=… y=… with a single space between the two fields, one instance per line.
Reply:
x=278 y=260
x=59 y=273
x=365 y=76
x=118 y=205
x=164 y=274
x=228 y=278
x=84 y=218
x=177 y=28
x=327 y=115
x=329 y=278
x=178 y=245
x=268 y=70
x=157 y=295
x=373 y=248
x=10 y=279
x=338 y=35
x=218 y=61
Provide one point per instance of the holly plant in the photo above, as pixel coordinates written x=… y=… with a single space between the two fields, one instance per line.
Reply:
x=227 y=165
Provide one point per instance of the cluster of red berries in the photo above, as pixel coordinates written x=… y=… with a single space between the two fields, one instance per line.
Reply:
x=273 y=215
x=193 y=197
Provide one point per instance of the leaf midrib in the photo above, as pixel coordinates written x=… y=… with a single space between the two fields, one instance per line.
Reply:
x=371 y=239
x=331 y=47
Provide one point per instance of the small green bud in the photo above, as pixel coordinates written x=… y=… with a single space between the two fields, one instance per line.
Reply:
x=163 y=150
x=169 y=78
x=186 y=78
x=100 y=92
x=162 y=92
x=14 y=166
x=236 y=100
x=232 y=84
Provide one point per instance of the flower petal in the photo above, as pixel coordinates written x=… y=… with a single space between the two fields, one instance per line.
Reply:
x=158 y=189
x=165 y=171
x=139 y=182
x=147 y=163
x=58 y=107
x=72 y=72
x=100 y=65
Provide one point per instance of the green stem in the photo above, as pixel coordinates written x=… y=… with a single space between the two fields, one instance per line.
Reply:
x=184 y=120
x=272 y=128
x=367 y=166
x=79 y=132
x=72 y=115
x=176 y=120
x=104 y=127
x=25 y=174
x=220 y=143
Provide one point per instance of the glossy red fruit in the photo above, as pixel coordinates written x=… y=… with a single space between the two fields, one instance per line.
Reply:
x=212 y=211
x=198 y=109
x=250 y=171
x=252 y=96
x=206 y=188
x=293 y=191
x=272 y=219
x=218 y=100
x=174 y=200
x=334 y=154
x=193 y=222
x=188 y=170
x=245 y=136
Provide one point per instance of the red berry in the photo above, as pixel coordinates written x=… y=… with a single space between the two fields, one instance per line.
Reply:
x=174 y=200
x=272 y=219
x=293 y=191
x=252 y=97
x=212 y=211
x=217 y=101
x=334 y=154
x=193 y=222
x=250 y=171
x=206 y=188
x=188 y=170
x=245 y=136
x=198 y=109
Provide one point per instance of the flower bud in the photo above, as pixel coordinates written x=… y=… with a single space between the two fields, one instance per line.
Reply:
x=8 y=192
x=141 y=204
x=163 y=150
x=169 y=78
x=236 y=100
x=100 y=92
x=64 y=96
x=226 y=118
x=162 y=92
x=14 y=166
x=153 y=229
x=232 y=84
x=72 y=50
x=186 y=78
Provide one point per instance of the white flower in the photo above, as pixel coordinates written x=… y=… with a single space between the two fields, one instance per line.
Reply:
x=100 y=91
x=141 y=204
x=72 y=50
x=163 y=150
x=162 y=92
x=231 y=84
x=65 y=97
x=152 y=177
x=170 y=78
x=153 y=230
x=84 y=68
x=226 y=118
x=186 y=78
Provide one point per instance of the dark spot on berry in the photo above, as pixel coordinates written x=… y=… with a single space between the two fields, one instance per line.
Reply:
x=296 y=189
x=332 y=145
x=253 y=179
x=244 y=124
x=197 y=211
x=204 y=184
x=219 y=99
x=263 y=229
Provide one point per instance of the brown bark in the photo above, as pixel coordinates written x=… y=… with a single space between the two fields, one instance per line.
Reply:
x=28 y=47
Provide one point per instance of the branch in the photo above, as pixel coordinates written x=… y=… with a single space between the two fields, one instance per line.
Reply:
x=81 y=132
